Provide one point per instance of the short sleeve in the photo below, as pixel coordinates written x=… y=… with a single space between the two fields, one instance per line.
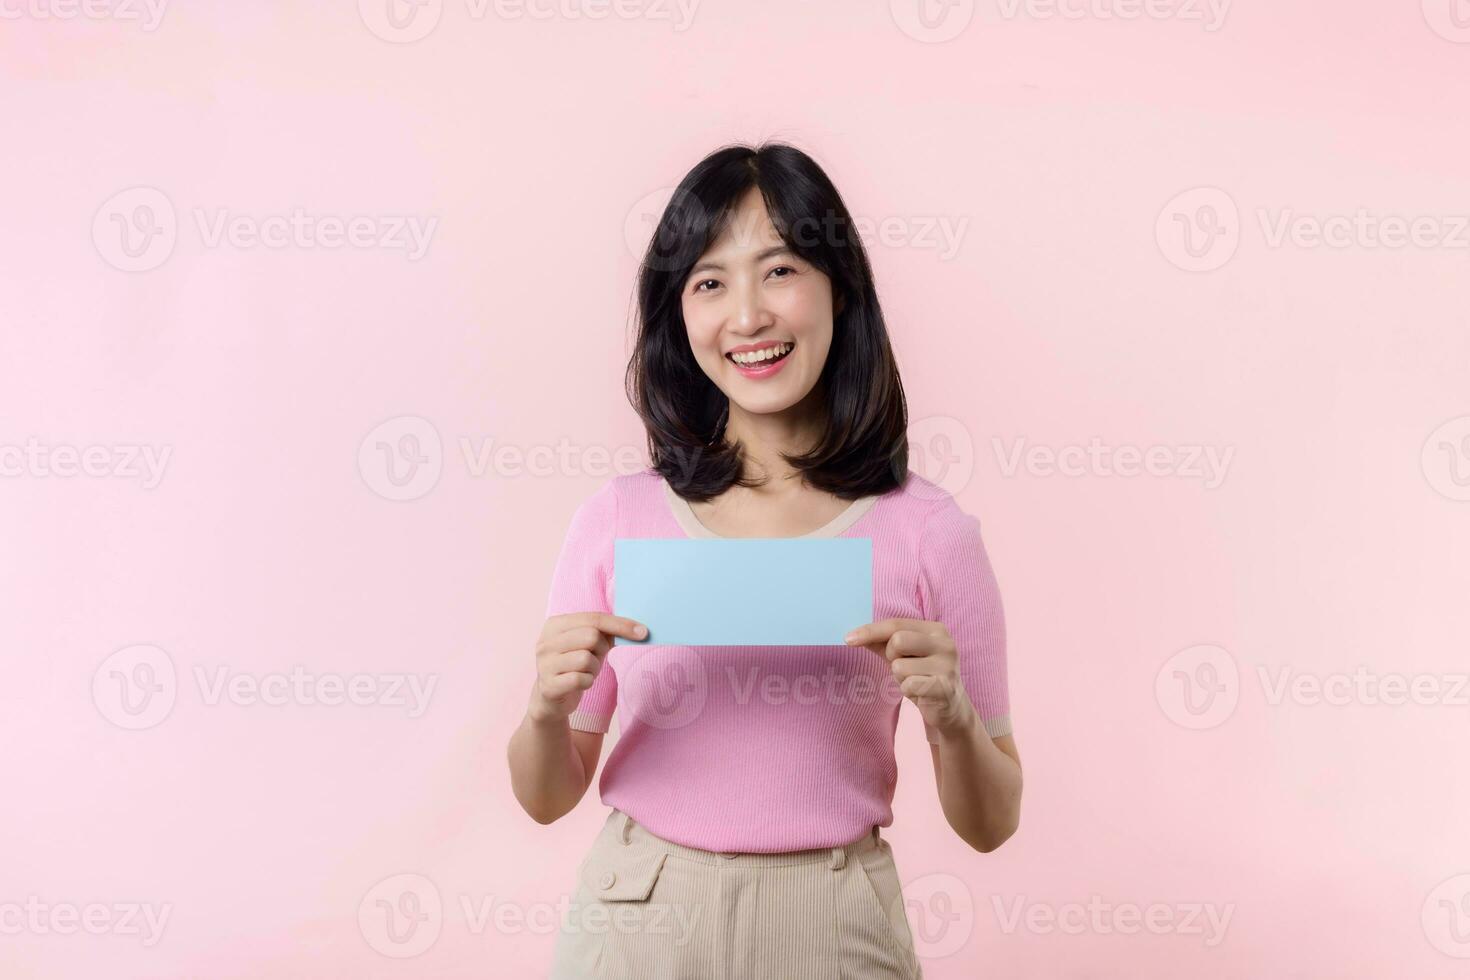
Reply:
x=958 y=588
x=581 y=582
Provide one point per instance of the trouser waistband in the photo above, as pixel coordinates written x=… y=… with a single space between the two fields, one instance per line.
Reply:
x=631 y=832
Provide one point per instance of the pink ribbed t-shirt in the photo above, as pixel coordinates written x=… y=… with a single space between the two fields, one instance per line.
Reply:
x=761 y=749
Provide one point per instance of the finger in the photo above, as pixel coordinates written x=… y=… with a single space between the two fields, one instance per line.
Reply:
x=558 y=687
x=915 y=666
x=874 y=636
x=913 y=643
x=881 y=630
x=607 y=625
x=906 y=643
x=603 y=622
x=573 y=661
x=578 y=638
x=924 y=687
x=620 y=626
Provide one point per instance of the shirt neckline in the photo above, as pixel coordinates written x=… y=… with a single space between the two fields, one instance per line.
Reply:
x=684 y=517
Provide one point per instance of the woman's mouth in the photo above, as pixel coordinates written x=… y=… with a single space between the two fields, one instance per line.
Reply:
x=761 y=362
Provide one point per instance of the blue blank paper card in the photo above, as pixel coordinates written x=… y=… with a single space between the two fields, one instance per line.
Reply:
x=743 y=591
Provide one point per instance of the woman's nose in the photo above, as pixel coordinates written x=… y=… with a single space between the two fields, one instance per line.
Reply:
x=750 y=312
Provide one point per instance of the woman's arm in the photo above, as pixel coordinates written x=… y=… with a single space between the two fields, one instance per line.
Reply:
x=981 y=797
x=978 y=777
x=551 y=765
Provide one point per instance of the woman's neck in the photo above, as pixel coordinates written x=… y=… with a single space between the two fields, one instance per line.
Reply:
x=764 y=438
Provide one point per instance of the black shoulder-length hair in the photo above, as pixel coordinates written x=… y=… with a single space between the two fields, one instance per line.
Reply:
x=864 y=448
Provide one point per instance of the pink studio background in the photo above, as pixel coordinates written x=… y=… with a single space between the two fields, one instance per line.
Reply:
x=1335 y=379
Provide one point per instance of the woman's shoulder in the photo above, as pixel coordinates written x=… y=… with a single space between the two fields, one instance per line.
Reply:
x=920 y=499
x=926 y=513
x=622 y=491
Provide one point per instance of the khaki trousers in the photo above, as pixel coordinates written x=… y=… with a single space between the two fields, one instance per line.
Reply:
x=646 y=908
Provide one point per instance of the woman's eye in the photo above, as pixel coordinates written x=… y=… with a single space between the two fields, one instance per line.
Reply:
x=699 y=286
x=783 y=268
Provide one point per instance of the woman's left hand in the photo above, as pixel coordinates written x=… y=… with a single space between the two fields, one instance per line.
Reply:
x=925 y=663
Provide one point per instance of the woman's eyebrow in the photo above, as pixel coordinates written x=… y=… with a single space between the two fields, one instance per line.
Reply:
x=760 y=257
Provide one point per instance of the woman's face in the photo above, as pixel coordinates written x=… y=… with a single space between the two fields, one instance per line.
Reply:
x=750 y=296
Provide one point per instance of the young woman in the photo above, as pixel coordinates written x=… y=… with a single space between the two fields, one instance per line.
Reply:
x=748 y=785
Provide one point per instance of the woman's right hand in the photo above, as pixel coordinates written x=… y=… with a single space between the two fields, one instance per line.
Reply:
x=569 y=654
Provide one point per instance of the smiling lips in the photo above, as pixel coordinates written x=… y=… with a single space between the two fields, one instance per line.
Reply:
x=760 y=360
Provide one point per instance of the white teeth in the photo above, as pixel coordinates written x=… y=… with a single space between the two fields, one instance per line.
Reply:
x=764 y=354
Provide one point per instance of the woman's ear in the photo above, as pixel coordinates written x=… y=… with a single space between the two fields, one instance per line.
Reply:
x=837 y=306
